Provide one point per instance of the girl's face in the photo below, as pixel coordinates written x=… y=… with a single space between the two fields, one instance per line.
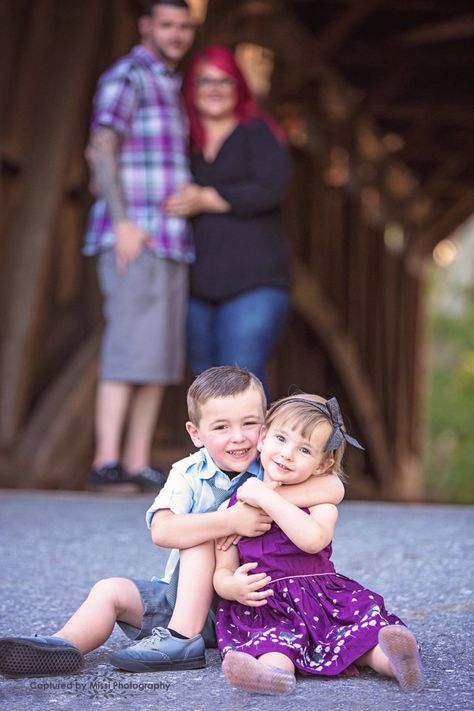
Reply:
x=289 y=458
x=215 y=94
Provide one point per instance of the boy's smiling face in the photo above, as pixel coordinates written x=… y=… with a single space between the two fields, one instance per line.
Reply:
x=229 y=428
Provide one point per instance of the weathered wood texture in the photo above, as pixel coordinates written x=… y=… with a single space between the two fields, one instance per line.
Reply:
x=362 y=214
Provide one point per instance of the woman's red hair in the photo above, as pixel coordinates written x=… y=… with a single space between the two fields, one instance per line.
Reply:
x=224 y=59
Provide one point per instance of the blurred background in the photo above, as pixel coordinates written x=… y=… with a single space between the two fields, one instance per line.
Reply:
x=375 y=98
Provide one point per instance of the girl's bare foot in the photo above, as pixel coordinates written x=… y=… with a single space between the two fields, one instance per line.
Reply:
x=401 y=648
x=246 y=672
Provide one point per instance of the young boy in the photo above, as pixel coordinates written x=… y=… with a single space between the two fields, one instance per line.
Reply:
x=226 y=407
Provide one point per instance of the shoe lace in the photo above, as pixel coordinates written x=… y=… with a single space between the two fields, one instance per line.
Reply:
x=160 y=632
x=157 y=634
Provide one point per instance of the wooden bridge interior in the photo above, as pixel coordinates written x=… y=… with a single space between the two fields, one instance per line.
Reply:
x=376 y=101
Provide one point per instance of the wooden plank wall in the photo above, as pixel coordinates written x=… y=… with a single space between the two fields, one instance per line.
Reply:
x=48 y=348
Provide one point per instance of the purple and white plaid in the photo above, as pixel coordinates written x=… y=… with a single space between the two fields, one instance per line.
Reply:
x=139 y=99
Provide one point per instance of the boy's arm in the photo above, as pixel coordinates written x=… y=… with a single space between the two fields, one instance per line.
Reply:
x=191 y=529
x=234 y=582
x=327 y=489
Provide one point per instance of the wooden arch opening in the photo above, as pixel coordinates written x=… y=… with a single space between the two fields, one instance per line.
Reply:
x=378 y=135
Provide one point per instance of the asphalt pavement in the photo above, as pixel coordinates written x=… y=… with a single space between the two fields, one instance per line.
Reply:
x=54 y=546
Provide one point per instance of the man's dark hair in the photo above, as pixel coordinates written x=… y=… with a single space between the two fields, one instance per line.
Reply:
x=174 y=3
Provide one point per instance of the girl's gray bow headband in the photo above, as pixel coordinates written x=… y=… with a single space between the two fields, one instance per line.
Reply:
x=332 y=411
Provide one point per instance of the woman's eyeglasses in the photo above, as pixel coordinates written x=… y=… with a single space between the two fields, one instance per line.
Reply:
x=214 y=82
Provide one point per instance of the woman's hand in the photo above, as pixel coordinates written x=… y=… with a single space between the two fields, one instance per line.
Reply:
x=188 y=201
x=192 y=199
x=254 y=492
x=245 y=587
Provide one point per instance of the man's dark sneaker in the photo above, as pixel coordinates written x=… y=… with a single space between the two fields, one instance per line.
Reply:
x=110 y=478
x=161 y=652
x=38 y=656
x=149 y=480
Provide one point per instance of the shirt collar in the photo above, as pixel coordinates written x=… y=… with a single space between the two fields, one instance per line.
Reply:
x=207 y=468
x=155 y=64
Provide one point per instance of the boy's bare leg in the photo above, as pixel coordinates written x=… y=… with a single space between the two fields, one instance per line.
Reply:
x=143 y=414
x=109 y=600
x=111 y=409
x=196 y=570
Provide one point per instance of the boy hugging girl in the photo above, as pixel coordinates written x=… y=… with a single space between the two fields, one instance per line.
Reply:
x=269 y=521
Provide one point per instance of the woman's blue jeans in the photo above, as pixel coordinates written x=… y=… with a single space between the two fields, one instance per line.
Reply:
x=240 y=331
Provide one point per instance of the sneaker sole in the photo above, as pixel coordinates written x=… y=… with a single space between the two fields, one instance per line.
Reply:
x=113 y=488
x=401 y=648
x=247 y=673
x=137 y=665
x=19 y=658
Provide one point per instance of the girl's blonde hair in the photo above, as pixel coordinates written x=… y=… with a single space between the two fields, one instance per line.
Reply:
x=297 y=413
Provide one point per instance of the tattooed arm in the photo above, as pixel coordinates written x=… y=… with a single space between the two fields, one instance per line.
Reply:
x=101 y=154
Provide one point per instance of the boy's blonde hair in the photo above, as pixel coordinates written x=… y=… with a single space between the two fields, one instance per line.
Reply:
x=220 y=381
x=296 y=414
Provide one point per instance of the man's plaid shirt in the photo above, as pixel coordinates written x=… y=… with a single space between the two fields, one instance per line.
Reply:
x=140 y=100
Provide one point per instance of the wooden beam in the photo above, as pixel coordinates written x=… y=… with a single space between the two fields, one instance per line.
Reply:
x=69 y=65
x=27 y=89
x=422 y=243
x=444 y=176
x=380 y=55
x=56 y=443
x=332 y=38
x=410 y=390
x=449 y=113
x=12 y=22
x=310 y=302
x=458 y=27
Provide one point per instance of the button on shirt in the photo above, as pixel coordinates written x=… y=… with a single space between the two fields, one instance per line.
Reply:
x=188 y=490
x=140 y=100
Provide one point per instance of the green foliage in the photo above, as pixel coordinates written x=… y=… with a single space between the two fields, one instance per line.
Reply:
x=449 y=460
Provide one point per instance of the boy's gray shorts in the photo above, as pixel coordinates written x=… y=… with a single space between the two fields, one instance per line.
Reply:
x=145 y=314
x=158 y=612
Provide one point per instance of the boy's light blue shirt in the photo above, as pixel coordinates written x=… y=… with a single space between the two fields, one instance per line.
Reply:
x=188 y=490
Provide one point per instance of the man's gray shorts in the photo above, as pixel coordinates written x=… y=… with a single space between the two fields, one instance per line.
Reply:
x=157 y=612
x=145 y=311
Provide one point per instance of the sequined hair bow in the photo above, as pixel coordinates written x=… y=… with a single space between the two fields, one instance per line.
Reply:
x=332 y=411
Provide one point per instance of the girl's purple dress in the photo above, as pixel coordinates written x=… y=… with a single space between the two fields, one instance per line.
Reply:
x=320 y=619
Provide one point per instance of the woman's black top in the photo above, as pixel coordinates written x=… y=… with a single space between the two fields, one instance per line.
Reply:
x=242 y=249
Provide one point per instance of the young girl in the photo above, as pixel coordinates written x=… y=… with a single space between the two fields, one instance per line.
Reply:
x=284 y=607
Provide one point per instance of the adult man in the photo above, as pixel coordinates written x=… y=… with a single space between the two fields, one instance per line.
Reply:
x=138 y=156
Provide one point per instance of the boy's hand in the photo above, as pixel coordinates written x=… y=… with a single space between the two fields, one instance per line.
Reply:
x=245 y=587
x=248 y=520
x=226 y=541
x=254 y=491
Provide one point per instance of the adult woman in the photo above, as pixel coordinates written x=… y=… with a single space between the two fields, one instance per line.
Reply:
x=240 y=281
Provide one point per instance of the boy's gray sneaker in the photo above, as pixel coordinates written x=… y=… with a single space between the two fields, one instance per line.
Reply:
x=38 y=656
x=161 y=652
